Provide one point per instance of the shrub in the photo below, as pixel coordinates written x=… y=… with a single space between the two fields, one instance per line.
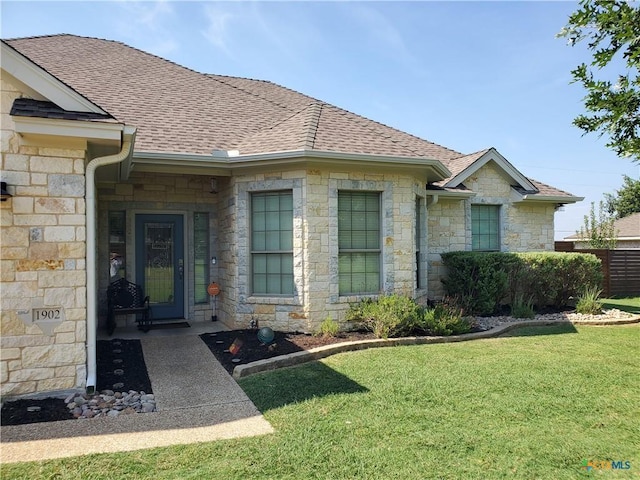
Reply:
x=555 y=278
x=588 y=302
x=328 y=328
x=388 y=316
x=480 y=282
x=521 y=308
x=444 y=319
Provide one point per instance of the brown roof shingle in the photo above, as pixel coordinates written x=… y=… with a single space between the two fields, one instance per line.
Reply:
x=178 y=110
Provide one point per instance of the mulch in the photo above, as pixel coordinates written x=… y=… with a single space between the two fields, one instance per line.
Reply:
x=251 y=349
x=120 y=367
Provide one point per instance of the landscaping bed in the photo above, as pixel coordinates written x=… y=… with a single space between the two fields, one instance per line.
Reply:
x=252 y=349
x=120 y=368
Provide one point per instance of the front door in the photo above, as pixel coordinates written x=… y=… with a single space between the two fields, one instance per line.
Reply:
x=160 y=263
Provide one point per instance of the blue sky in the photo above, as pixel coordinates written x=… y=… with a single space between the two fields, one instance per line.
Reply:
x=466 y=75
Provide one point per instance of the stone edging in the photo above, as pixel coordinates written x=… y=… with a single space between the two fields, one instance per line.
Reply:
x=322 y=352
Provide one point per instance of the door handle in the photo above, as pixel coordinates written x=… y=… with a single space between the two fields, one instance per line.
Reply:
x=181 y=268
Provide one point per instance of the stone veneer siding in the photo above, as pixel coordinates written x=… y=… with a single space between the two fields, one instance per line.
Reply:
x=159 y=194
x=525 y=226
x=42 y=258
x=315 y=250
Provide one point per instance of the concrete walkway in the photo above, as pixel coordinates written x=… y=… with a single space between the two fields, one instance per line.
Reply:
x=196 y=401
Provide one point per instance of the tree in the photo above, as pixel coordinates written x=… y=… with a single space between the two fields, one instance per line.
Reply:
x=626 y=200
x=598 y=232
x=613 y=108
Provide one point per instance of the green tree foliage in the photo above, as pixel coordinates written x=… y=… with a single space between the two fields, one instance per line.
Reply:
x=611 y=27
x=598 y=230
x=626 y=200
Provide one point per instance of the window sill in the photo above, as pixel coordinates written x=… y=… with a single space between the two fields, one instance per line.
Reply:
x=270 y=300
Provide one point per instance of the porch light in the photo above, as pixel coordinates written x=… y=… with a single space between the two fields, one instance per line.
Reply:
x=4 y=193
x=214 y=185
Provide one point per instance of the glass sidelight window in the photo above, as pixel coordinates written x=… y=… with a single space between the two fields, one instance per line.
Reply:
x=117 y=244
x=201 y=256
x=272 y=243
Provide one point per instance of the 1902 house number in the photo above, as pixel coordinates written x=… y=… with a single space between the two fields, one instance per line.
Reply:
x=51 y=314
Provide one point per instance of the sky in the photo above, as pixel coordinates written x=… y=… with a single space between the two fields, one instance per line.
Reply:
x=465 y=75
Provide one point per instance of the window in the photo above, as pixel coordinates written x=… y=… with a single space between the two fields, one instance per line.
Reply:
x=485 y=223
x=201 y=256
x=359 y=242
x=117 y=244
x=418 y=240
x=272 y=243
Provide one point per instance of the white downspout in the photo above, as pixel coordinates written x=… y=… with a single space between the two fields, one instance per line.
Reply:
x=91 y=266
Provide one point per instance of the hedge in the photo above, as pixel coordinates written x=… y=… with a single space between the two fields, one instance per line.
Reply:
x=480 y=282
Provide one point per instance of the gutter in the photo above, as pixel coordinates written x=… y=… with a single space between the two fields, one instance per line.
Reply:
x=92 y=284
x=231 y=159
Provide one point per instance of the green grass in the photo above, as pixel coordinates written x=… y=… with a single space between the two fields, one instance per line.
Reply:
x=531 y=405
x=628 y=304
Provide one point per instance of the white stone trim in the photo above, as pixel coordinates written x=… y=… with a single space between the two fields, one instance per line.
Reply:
x=385 y=188
x=243 y=236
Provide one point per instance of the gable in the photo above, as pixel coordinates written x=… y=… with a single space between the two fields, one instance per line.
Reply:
x=42 y=85
x=477 y=161
x=183 y=116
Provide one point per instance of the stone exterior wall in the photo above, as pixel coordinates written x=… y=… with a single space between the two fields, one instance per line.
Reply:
x=159 y=193
x=42 y=259
x=315 y=196
x=449 y=229
x=525 y=226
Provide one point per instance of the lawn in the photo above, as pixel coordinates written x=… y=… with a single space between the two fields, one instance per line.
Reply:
x=628 y=304
x=534 y=404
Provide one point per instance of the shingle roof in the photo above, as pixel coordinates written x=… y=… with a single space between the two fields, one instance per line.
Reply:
x=548 y=190
x=27 y=107
x=179 y=110
x=625 y=228
x=628 y=226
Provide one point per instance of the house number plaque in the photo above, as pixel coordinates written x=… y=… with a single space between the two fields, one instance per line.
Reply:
x=51 y=314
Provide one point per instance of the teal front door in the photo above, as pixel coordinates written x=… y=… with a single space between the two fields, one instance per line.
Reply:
x=160 y=263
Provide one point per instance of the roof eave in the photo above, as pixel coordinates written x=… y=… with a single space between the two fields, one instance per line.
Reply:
x=226 y=163
x=538 y=198
x=88 y=130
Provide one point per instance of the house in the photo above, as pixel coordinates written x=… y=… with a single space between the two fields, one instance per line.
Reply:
x=123 y=164
x=627 y=231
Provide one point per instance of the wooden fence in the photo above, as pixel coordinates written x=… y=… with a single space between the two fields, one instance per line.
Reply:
x=620 y=268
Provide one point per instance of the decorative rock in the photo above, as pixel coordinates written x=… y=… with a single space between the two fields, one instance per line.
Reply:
x=110 y=403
